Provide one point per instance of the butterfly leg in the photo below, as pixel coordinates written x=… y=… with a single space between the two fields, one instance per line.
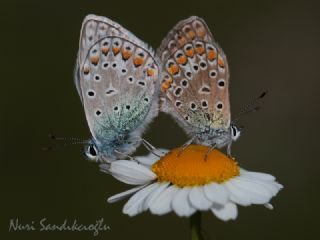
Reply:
x=126 y=155
x=229 y=150
x=184 y=146
x=209 y=150
x=151 y=148
x=105 y=168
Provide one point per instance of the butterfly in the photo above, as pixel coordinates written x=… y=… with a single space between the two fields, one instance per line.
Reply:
x=116 y=76
x=194 y=84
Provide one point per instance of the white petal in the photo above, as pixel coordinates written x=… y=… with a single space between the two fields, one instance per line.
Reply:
x=271 y=186
x=257 y=175
x=181 y=204
x=131 y=172
x=151 y=158
x=162 y=204
x=148 y=159
x=216 y=193
x=227 y=212
x=237 y=195
x=269 y=206
x=198 y=199
x=257 y=193
x=154 y=195
x=135 y=204
x=123 y=195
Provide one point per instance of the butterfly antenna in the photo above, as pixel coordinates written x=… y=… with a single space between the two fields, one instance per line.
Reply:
x=66 y=142
x=251 y=106
x=54 y=137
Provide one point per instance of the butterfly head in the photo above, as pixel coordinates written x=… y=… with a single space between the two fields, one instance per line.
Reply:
x=98 y=152
x=91 y=150
x=108 y=151
x=235 y=132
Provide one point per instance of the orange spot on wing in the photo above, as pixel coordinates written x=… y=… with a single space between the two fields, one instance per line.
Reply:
x=104 y=50
x=94 y=59
x=182 y=60
x=200 y=50
x=182 y=40
x=169 y=80
x=220 y=62
x=138 y=61
x=190 y=52
x=150 y=72
x=191 y=34
x=173 y=69
x=201 y=32
x=126 y=54
x=212 y=55
x=165 y=86
x=166 y=83
x=116 y=50
x=86 y=70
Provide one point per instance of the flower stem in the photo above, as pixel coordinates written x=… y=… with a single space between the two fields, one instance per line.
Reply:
x=195 y=226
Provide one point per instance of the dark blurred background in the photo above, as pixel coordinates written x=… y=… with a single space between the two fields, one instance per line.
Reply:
x=270 y=45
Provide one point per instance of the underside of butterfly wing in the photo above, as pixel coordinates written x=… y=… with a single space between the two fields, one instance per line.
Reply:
x=195 y=78
x=116 y=77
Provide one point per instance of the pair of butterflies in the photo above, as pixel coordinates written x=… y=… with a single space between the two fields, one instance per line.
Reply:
x=122 y=84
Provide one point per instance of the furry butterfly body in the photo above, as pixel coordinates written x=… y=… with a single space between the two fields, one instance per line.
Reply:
x=116 y=77
x=195 y=83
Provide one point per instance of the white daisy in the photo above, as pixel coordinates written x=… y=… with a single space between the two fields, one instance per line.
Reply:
x=188 y=183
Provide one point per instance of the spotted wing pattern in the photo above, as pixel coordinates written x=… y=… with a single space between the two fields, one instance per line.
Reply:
x=195 y=78
x=116 y=77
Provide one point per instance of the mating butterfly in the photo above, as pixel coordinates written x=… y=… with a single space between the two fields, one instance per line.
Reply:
x=116 y=77
x=195 y=83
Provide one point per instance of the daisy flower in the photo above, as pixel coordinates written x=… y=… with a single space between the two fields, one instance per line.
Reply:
x=186 y=182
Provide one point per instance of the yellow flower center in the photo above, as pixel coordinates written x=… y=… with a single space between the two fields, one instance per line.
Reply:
x=191 y=168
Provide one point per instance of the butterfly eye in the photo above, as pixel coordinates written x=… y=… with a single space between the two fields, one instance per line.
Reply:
x=91 y=152
x=235 y=132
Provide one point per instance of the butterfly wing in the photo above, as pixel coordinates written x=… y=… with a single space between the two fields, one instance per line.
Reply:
x=195 y=77
x=116 y=77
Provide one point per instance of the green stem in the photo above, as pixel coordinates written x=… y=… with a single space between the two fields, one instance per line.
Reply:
x=195 y=226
